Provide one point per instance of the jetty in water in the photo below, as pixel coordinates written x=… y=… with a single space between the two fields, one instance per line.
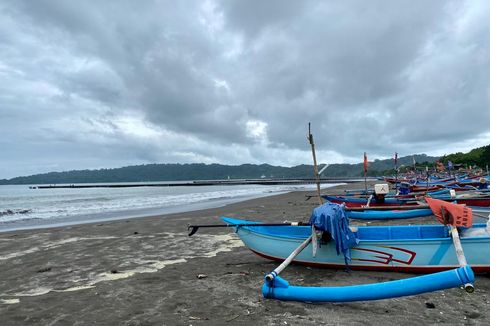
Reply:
x=228 y=182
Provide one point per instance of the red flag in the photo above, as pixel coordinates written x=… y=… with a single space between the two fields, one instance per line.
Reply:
x=365 y=162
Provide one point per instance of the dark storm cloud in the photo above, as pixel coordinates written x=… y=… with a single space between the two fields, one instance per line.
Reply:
x=95 y=84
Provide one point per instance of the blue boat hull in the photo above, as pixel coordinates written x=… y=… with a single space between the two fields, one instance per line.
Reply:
x=415 y=249
x=358 y=202
x=388 y=215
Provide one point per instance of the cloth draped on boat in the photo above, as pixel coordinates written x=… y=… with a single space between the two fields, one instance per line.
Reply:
x=331 y=218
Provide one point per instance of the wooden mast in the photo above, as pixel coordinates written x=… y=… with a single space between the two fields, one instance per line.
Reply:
x=315 y=166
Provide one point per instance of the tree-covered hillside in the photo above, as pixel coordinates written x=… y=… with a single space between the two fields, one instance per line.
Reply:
x=479 y=156
x=179 y=172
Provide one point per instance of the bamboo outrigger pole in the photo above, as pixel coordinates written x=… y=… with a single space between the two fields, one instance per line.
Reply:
x=269 y=277
x=315 y=166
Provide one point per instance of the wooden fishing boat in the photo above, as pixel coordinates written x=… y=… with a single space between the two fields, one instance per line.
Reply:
x=477 y=201
x=414 y=248
x=419 y=248
x=359 y=202
x=349 y=201
x=388 y=215
x=418 y=188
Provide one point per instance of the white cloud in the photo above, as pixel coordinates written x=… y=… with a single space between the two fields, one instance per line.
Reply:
x=257 y=130
x=100 y=84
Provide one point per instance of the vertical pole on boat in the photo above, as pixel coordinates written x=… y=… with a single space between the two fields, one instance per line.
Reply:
x=396 y=172
x=427 y=174
x=487 y=171
x=365 y=174
x=315 y=166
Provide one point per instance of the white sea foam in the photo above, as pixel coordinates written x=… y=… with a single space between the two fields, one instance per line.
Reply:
x=106 y=203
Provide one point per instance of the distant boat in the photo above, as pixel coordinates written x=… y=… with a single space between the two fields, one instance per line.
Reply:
x=388 y=215
x=350 y=201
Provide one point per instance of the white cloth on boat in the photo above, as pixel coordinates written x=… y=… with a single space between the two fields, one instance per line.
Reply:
x=474 y=232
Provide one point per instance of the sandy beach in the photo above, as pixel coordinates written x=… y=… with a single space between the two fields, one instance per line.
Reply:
x=147 y=271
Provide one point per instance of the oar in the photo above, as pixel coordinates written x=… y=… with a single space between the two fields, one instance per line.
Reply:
x=458 y=247
x=193 y=228
x=463 y=216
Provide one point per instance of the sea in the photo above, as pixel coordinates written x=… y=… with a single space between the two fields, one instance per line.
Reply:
x=24 y=208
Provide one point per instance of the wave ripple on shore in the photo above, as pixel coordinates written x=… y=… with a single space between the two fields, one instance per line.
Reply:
x=170 y=248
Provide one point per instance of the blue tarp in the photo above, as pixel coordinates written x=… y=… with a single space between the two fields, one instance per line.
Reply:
x=331 y=218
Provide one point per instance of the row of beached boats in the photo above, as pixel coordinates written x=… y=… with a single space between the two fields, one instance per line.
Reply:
x=448 y=253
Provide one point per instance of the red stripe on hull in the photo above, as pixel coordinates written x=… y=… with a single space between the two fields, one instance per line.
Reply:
x=474 y=202
x=351 y=204
x=423 y=188
x=403 y=269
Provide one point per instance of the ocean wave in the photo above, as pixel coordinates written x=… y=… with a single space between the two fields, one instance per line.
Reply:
x=68 y=203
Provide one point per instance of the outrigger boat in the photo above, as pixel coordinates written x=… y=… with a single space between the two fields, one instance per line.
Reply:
x=435 y=249
x=479 y=200
x=410 y=248
x=360 y=202
x=388 y=214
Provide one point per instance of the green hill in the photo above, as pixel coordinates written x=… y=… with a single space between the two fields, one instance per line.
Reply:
x=479 y=156
x=180 y=172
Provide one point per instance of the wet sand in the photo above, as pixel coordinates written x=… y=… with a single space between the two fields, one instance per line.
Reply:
x=146 y=272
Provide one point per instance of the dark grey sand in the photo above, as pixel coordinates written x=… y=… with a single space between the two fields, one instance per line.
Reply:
x=145 y=272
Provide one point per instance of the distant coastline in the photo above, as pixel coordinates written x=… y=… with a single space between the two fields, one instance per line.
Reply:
x=200 y=183
x=199 y=172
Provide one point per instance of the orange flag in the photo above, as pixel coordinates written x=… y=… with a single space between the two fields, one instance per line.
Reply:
x=365 y=162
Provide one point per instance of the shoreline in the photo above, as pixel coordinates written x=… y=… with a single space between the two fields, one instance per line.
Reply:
x=149 y=272
x=212 y=203
x=38 y=224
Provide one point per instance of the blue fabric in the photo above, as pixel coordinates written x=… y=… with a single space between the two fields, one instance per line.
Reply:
x=331 y=218
x=404 y=189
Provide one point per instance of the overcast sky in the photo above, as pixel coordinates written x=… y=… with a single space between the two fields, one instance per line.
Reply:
x=92 y=84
